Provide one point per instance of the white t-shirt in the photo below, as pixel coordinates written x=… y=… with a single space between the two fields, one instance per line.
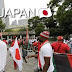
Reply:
x=30 y=41
x=70 y=44
x=3 y=55
x=46 y=51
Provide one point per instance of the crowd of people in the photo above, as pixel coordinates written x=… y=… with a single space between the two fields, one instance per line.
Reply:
x=43 y=50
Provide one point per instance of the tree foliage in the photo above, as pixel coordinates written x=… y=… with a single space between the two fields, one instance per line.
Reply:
x=22 y=29
x=51 y=23
x=64 y=14
x=39 y=29
x=8 y=30
x=55 y=32
x=2 y=26
x=33 y=22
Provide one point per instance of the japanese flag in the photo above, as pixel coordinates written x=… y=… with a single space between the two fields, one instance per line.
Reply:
x=15 y=52
x=45 y=12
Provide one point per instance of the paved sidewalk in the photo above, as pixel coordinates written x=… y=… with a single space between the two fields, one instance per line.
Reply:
x=27 y=67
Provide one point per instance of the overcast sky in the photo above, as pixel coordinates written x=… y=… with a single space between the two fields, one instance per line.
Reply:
x=14 y=4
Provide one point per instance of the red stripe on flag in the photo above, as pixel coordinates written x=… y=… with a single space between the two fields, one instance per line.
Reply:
x=17 y=54
x=70 y=59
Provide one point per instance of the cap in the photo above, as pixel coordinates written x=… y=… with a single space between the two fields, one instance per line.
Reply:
x=45 y=34
x=60 y=38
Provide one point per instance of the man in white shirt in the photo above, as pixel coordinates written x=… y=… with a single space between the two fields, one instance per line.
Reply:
x=45 y=53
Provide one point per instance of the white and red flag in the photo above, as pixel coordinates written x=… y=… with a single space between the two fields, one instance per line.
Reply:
x=15 y=52
x=45 y=12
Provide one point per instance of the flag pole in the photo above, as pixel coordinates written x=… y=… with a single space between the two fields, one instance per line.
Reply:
x=26 y=34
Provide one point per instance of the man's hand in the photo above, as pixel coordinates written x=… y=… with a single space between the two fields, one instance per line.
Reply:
x=29 y=56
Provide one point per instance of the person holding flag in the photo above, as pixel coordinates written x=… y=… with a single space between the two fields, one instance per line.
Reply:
x=15 y=52
x=59 y=47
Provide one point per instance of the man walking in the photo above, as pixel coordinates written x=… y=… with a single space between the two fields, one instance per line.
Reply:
x=45 y=54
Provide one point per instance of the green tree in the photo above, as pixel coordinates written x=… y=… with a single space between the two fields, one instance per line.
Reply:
x=8 y=30
x=55 y=32
x=33 y=22
x=39 y=29
x=53 y=4
x=50 y=22
x=64 y=16
x=2 y=26
x=22 y=29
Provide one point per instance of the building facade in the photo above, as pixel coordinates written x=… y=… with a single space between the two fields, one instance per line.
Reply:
x=23 y=22
x=2 y=7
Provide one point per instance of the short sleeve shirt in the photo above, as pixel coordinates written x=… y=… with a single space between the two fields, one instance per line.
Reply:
x=3 y=54
x=46 y=51
x=62 y=49
x=35 y=43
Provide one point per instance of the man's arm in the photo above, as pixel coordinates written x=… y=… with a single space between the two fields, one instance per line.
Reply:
x=32 y=46
x=30 y=56
x=47 y=64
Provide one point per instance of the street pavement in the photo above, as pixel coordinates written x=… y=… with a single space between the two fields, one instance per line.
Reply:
x=27 y=67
